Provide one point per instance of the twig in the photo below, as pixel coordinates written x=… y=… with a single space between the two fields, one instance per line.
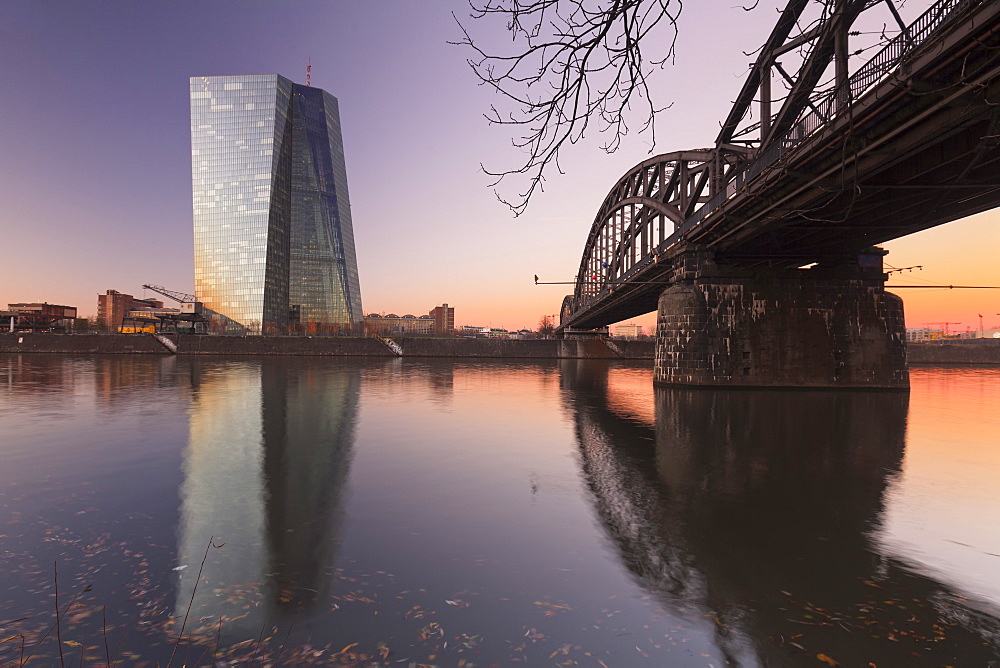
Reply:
x=187 y=652
x=24 y=659
x=118 y=645
x=191 y=602
x=198 y=663
x=283 y=643
x=218 y=637
x=16 y=635
x=576 y=64
x=253 y=658
x=104 y=631
x=55 y=577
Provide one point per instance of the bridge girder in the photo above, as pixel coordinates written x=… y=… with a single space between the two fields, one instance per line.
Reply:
x=908 y=116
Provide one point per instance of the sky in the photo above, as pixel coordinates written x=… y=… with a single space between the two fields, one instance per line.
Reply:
x=95 y=167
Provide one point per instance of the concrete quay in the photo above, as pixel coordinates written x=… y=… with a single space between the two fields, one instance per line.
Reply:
x=88 y=344
x=954 y=353
x=142 y=344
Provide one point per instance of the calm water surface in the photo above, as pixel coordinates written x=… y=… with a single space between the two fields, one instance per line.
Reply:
x=464 y=513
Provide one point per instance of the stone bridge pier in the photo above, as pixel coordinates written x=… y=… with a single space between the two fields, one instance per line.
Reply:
x=828 y=326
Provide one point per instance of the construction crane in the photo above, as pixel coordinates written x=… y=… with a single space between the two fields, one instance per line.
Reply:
x=943 y=323
x=181 y=297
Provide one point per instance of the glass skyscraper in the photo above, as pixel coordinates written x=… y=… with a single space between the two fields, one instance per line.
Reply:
x=273 y=239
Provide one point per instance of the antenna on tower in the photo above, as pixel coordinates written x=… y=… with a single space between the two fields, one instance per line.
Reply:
x=309 y=66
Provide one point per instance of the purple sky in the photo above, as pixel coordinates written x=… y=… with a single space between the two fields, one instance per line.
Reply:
x=95 y=151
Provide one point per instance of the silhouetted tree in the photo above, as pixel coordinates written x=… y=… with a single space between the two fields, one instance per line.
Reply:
x=579 y=60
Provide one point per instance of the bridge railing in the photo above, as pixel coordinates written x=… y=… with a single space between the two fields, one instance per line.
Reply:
x=826 y=106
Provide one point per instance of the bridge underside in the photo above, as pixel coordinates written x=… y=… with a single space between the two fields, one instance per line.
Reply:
x=917 y=154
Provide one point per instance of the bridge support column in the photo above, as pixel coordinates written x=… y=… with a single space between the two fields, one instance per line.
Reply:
x=819 y=327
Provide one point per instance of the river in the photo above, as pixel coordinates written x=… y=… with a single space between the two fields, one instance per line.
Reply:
x=470 y=513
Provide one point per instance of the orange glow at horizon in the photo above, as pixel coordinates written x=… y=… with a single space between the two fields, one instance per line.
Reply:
x=959 y=253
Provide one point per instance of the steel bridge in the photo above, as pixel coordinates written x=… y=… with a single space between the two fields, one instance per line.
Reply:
x=908 y=140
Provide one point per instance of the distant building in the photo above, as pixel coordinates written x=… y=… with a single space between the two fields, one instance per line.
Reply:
x=394 y=324
x=441 y=320
x=113 y=307
x=991 y=333
x=179 y=320
x=484 y=332
x=628 y=331
x=38 y=317
x=919 y=335
x=444 y=319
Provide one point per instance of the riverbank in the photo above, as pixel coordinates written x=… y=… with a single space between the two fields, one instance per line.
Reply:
x=595 y=348
x=326 y=346
x=954 y=353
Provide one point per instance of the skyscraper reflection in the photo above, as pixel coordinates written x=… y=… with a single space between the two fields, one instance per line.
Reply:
x=757 y=510
x=265 y=469
x=309 y=415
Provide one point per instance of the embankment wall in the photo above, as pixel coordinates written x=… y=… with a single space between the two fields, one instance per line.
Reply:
x=464 y=347
x=280 y=345
x=88 y=344
x=953 y=353
x=81 y=344
x=321 y=345
x=516 y=348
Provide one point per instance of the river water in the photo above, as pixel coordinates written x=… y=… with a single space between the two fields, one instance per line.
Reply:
x=472 y=513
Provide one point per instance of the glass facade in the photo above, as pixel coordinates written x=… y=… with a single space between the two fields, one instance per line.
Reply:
x=273 y=237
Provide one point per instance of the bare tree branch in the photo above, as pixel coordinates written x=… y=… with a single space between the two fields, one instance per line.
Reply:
x=579 y=60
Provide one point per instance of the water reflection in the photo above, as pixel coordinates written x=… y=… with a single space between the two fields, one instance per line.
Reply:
x=25 y=375
x=131 y=379
x=265 y=469
x=760 y=510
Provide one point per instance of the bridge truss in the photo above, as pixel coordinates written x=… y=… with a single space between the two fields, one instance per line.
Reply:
x=791 y=187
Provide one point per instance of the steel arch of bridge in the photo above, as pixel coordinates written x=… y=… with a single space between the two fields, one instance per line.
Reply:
x=663 y=200
x=643 y=211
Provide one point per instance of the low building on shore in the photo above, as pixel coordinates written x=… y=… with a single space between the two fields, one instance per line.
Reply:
x=484 y=332
x=990 y=335
x=113 y=308
x=38 y=317
x=628 y=331
x=440 y=320
x=922 y=334
x=396 y=324
x=444 y=319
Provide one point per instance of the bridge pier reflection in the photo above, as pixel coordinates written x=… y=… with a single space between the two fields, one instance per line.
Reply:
x=760 y=510
x=831 y=325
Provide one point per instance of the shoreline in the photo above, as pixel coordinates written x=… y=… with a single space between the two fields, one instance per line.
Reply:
x=343 y=346
x=336 y=346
